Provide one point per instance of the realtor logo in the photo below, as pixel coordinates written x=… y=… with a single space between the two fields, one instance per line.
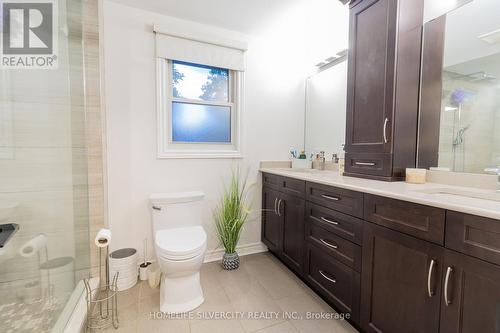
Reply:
x=29 y=34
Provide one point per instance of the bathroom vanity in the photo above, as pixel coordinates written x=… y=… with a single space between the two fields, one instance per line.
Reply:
x=397 y=257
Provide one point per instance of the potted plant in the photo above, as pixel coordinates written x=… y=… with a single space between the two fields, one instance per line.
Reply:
x=230 y=215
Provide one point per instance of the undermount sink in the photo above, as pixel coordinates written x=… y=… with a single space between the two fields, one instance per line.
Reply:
x=490 y=195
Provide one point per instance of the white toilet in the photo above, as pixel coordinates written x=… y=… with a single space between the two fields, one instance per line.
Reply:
x=180 y=243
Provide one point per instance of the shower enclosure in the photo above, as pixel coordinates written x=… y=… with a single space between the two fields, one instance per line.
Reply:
x=470 y=116
x=43 y=185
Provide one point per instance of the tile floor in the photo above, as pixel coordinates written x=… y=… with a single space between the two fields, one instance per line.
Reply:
x=261 y=284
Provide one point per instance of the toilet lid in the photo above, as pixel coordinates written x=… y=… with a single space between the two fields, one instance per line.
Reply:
x=180 y=242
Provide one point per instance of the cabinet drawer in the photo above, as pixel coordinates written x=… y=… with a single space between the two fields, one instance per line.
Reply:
x=368 y=164
x=345 y=201
x=473 y=235
x=345 y=226
x=342 y=250
x=416 y=220
x=271 y=181
x=292 y=186
x=334 y=280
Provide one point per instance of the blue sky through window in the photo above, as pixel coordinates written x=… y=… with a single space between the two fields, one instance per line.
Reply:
x=200 y=82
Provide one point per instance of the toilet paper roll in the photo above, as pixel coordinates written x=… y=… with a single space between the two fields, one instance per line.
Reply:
x=103 y=238
x=33 y=246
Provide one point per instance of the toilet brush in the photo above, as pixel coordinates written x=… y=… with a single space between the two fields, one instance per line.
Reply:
x=143 y=268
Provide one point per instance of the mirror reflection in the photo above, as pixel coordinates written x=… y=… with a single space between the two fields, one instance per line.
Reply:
x=325 y=115
x=469 y=120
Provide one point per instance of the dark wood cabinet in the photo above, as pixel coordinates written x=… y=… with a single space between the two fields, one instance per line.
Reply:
x=283 y=213
x=473 y=235
x=413 y=219
x=383 y=87
x=404 y=267
x=291 y=210
x=401 y=282
x=338 y=283
x=271 y=221
x=343 y=225
x=471 y=295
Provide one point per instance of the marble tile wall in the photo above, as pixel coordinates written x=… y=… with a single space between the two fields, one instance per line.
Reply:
x=94 y=125
x=480 y=111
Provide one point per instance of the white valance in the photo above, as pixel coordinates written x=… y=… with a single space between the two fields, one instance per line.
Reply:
x=200 y=49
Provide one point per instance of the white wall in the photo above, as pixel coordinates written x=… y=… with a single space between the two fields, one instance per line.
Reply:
x=272 y=120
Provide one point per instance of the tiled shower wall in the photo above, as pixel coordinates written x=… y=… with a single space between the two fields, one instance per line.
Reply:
x=481 y=113
x=94 y=125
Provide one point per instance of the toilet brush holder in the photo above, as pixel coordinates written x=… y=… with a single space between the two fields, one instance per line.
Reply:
x=144 y=271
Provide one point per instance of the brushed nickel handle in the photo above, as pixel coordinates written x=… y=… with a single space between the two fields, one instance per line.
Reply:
x=156 y=208
x=275 y=201
x=333 y=246
x=447 y=301
x=329 y=197
x=326 y=277
x=279 y=207
x=429 y=278
x=385 y=129
x=365 y=163
x=324 y=219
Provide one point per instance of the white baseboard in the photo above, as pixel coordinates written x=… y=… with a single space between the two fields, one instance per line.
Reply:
x=242 y=250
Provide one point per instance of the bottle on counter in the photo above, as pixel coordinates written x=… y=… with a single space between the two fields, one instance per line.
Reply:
x=341 y=160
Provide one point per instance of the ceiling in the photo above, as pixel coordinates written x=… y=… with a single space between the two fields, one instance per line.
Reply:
x=249 y=17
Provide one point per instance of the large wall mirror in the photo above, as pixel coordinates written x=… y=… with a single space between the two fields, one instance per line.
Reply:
x=459 y=128
x=325 y=116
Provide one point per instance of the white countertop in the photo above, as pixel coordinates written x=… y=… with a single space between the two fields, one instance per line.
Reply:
x=402 y=191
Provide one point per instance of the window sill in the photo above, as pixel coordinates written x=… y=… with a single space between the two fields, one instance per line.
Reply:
x=199 y=155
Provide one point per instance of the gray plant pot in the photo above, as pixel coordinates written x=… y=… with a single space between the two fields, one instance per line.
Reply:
x=230 y=261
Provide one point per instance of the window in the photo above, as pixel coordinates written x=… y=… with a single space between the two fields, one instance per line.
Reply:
x=199 y=92
x=201 y=107
x=199 y=110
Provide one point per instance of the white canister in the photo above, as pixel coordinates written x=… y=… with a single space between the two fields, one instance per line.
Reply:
x=124 y=262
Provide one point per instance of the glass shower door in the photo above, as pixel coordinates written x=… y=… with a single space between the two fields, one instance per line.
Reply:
x=43 y=184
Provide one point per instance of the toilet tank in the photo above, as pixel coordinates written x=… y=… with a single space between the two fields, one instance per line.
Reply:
x=174 y=210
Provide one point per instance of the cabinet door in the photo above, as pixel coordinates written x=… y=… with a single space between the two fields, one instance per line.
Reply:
x=372 y=36
x=471 y=295
x=271 y=222
x=401 y=285
x=292 y=211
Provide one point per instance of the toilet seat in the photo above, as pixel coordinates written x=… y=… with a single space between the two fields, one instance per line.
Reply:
x=180 y=243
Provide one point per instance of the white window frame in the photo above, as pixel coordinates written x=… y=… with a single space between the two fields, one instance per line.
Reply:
x=169 y=149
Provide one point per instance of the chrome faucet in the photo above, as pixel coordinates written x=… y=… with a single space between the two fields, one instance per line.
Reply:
x=497 y=172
